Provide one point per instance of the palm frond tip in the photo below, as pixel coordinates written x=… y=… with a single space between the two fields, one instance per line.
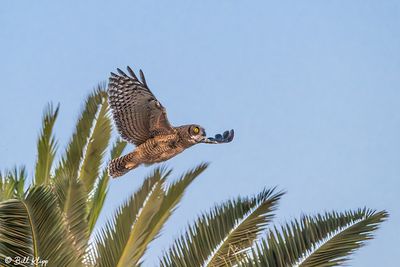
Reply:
x=223 y=235
x=321 y=240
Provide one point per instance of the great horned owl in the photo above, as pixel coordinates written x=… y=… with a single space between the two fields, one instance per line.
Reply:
x=142 y=120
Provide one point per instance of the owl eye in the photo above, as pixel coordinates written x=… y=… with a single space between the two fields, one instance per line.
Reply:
x=196 y=130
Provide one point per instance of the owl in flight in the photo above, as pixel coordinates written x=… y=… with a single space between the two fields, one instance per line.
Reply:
x=142 y=120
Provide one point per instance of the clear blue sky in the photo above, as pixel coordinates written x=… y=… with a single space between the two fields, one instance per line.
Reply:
x=311 y=88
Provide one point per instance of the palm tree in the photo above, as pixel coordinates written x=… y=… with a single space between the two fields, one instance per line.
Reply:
x=53 y=219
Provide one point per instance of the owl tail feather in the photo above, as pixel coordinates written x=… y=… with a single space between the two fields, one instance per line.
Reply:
x=120 y=166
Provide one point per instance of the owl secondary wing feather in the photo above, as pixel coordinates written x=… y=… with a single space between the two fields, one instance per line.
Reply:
x=137 y=113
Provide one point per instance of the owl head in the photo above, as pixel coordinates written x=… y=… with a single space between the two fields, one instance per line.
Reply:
x=194 y=133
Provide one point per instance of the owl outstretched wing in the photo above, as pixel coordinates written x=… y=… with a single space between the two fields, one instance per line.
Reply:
x=137 y=113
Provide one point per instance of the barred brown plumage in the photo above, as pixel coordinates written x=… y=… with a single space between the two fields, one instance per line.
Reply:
x=118 y=166
x=142 y=120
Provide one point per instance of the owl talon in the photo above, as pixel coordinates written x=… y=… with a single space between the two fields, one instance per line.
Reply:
x=226 y=137
x=231 y=135
x=218 y=137
x=226 y=134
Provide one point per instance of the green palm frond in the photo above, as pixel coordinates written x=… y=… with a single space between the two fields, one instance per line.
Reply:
x=242 y=236
x=136 y=243
x=222 y=236
x=34 y=228
x=72 y=159
x=46 y=146
x=96 y=202
x=80 y=165
x=15 y=230
x=97 y=145
x=12 y=183
x=6 y=187
x=117 y=241
x=71 y=197
x=170 y=199
x=141 y=218
x=322 y=240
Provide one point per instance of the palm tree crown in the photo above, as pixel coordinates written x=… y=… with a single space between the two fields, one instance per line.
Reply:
x=54 y=217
